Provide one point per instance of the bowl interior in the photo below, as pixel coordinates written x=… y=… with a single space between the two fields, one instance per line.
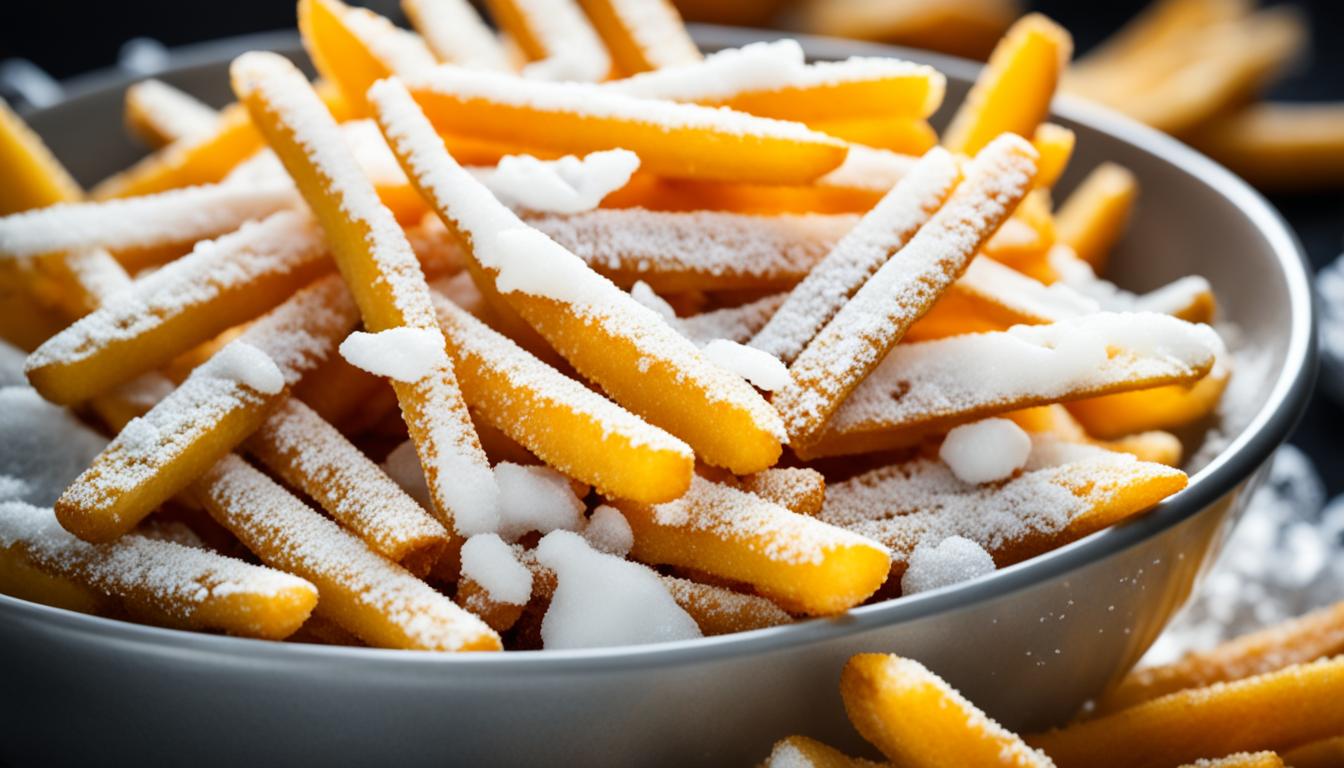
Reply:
x=1192 y=218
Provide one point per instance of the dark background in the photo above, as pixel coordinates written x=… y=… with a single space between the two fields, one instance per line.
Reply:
x=66 y=38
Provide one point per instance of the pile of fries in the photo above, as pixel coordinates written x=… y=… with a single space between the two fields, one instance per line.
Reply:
x=1265 y=700
x=578 y=337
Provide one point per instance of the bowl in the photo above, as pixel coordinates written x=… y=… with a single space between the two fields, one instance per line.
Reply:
x=1029 y=643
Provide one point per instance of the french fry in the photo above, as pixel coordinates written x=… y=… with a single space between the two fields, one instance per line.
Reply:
x=1317 y=635
x=1160 y=26
x=737 y=324
x=455 y=33
x=677 y=140
x=1013 y=92
x=220 y=284
x=34 y=178
x=916 y=719
x=203 y=158
x=1277 y=710
x=795 y=560
x=966 y=28
x=1189 y=298
x=921 y=390
x=159 y=114
x=1075 y=490
x=1024 y=241
x=311 y=455
x=1240 y=760
x=703 y=250
x=1326 y=753
x=798 y=489
x=215 y=409
x=365 y=594
x=1056 y=421
x=20 y=578
x=1279 y=146
x=355 y=47
x=383 y=276
x=903 y=289
x=1168 y=407
x=878 y=236
x=802 y=752
x=598 y=328
x=641 y=34
x=721 y=611
x=555 y=36
x=1092 y=219
x=564 y=423
x=337 y=389
x=1054 y=143
x=907 y=136
x=185 y=587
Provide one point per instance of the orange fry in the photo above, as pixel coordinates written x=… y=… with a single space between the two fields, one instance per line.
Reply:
x=1279 y=146
x=907 y=136
x=1092 y=218
x=1276 y=710
x=34 y=178
x=677 y=140
x=641 y=34
x=454 y=31
x=159 y=114
x=1054 y=143
x=20 y=578
x=1326 y=753
x=555 y=36
x=355 y=47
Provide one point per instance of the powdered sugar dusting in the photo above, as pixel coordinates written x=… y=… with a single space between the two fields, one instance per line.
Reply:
x=402 y=353
x=173 y=114
x=738 y=323
x=566 y=185
x=950 y=561
x=249 y=366
x=655 y=26
x=762 y=369
x=985 y=451
x=533 y=498
x=859 y=254
x=573 y=49
x=492 y=564
x=608 y=531
x=455 y=33
x=719 y=610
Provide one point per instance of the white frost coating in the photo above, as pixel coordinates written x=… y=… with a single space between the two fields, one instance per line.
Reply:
x=738 y=323
x=1168 y=299
x=950 y=561
x=869 y=168
x=173 y=114
x=529 y=261
x=608 y=531
x=573 y=49
x=492 y=564
x=454 y=31
x=566 y=185
x=42 y=445
x=600 y=102
x=178 y=216
x=402 y=353
x=403 y=466
x=656 y=28
x=768 y=66
x=1002 y=285
x=645 y=295
x=401 y=51
x=602 y=601
x=985 y=451
x=535 y=498
x=762 y=369
x=248 y=365
x=858 y=255
x=13 y=489
x=371 y=153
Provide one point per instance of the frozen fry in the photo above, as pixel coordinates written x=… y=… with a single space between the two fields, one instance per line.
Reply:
x=1168 y=407
x=702 y=250
x=641 y=34
x=455 y=33
x=181 y=586
x=802 y=564
x=874 y=320
x=159 y=114
x=966 y=28
x=365 y=594
x=1092 y=219
x=923 y=389
x=599 y=329
x=916 y=719
x=195 y=159
x=720 y=611
x=217 y=407
x=1276 y=710
x=355 y=47
x=383 y=276
x=878 y=237
x=20 y=578
x=1317 y=635
x=555 y=36
x=34 y=178
x=907 y=136
x=802 y=752
x=220 y=284
x=798 y=489
x=1013 y=92
x=1279 y=146
x=311 y=455
x=677 y=140
x=565 y=424
x=1064 y=493
x=737 y=324
x=1054 y=143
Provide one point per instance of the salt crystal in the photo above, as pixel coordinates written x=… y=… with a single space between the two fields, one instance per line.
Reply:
x=248 y=365
x=601 y=600
x=566 y=185
x=762 y=369
x=535 y=498
x=42 y=445
x=950 y=561
x=403 y=353
x=986 y=451
x=608 y=531
x=492 y=564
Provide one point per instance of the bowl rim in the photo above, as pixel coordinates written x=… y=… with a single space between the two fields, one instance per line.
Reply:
x=1269 y=427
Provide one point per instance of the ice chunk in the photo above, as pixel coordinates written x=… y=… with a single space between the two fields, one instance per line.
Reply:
x=601 y=600
x=535 y=498
x=491 y=563
x=608 y=531
x=985 y=451
x=951 y=561
x=405 y=354
x=42 y=445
